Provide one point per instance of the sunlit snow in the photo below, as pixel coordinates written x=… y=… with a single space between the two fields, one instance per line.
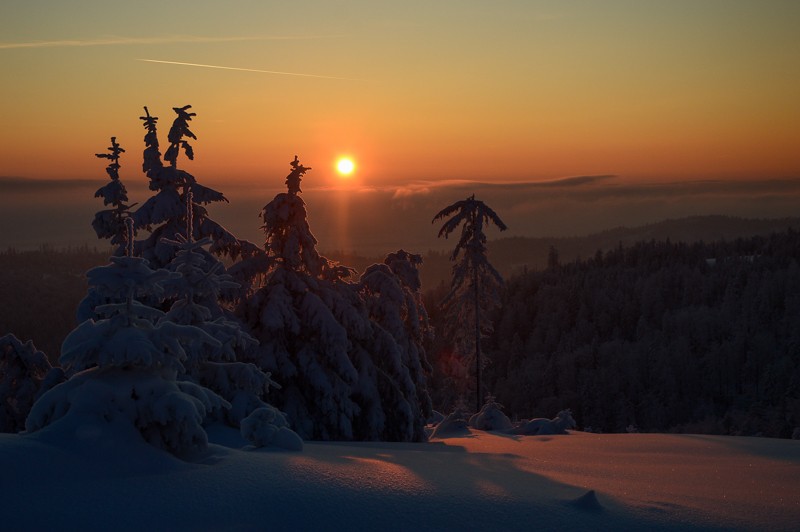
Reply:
x=481 y=481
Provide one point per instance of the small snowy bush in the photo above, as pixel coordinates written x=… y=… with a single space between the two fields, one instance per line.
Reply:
x=453 y=425
x=268 y=426
x=491 y=417
x=25 y=373
x=542 y=426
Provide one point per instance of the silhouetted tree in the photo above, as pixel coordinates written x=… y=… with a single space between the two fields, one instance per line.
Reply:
x=166 y=214
x=110 y=223
x=301 y=341
x=345 y=374
x=25 y=374
x=475 y=287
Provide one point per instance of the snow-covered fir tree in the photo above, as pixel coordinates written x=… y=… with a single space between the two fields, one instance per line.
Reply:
x=124 y=368
x=124 y=280
x=226 y=367
x=342 y=374
x=392 y=294
x=25 y=373
x=166 y=213
x=110 y=223
x=301 y=342
x=476 y=284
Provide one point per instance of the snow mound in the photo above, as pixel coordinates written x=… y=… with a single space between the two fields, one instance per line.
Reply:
x=587 y=502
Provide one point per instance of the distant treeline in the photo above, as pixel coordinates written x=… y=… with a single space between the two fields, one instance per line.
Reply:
x=659 y=336
x=40 y=291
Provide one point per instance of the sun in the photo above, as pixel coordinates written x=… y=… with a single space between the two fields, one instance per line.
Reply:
x=345 y=166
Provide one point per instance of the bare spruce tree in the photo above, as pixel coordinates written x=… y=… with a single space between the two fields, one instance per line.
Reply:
x=475 y=287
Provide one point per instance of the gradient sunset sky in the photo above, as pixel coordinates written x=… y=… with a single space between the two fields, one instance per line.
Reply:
x=420 y=93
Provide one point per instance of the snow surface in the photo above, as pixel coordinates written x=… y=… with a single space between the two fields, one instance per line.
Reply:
x=106 y=479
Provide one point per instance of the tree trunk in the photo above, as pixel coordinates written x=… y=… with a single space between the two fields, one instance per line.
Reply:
x=477 y=343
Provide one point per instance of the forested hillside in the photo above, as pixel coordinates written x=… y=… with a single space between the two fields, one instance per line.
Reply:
x=701 y=337
x=658 y=336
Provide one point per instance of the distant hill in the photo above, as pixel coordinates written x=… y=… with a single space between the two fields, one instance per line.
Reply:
x=511 y=254
x=514 y=255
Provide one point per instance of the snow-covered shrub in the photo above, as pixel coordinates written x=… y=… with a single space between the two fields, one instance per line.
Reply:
x=454 y=425
x=268 y=426
x=25 y=373
x=490 y=417
x=542 y=426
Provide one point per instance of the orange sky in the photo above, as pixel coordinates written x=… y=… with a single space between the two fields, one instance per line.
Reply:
x=510 y=90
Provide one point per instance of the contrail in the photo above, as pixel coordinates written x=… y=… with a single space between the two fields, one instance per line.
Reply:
x=250 y=70
x=116 y=41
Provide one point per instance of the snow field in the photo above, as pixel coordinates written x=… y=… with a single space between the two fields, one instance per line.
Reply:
x=482 y=481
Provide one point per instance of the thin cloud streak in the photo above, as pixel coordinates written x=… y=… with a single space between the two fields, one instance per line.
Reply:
x=178 y=39
x=249 y=70
x=426 y=187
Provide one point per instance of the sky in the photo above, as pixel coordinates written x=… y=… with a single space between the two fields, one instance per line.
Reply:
x=432 y=100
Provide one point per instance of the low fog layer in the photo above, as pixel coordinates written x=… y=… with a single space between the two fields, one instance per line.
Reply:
x=375 y=220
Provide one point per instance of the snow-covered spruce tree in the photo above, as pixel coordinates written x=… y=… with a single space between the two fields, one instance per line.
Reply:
x=124 y=369
x=475 y=287
x=341 y=373
x=301 y=342
x=110 y=223
x=166 y=213
x=124 y=278
x=392 y=293
x=25 y=373
x=226 y=368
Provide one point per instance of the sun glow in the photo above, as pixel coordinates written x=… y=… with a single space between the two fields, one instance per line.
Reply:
x=345 y=166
